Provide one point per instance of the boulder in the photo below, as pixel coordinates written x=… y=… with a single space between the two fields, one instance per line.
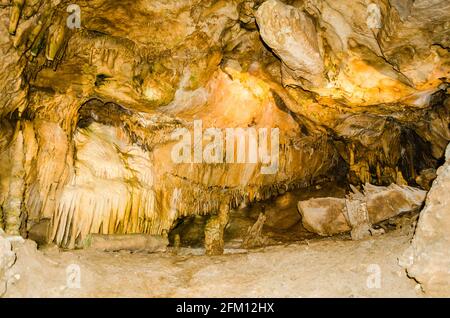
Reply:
x=330 y=216
x=283 y=213
x=324 y=216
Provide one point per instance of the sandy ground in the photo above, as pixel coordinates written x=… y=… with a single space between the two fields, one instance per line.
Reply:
x=319 y=268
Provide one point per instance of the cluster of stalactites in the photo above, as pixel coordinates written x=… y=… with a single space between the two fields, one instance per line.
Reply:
x=118 y=188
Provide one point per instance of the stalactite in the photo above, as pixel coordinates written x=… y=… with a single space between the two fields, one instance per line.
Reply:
x=16 y=10
x=2 y=223
x=55 y=40
x=49 y=169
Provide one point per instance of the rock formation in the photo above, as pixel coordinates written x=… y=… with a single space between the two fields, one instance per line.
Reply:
x=127 y=117
x=356 y=213
x=428 y=259
x=292 y=35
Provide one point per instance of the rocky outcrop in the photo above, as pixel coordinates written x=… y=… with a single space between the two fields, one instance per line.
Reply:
x=428 y=258
x=356 y=213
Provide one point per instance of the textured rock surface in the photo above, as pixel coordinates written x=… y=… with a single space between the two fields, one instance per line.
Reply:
x=329 y=216
x=279 y=271
x=360 y=47
x=292 y=35
x=214 y=230
x=428 y=259
x=7 y=259
x=324 y=215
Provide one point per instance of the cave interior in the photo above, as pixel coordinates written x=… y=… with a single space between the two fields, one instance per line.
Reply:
x=215 y=127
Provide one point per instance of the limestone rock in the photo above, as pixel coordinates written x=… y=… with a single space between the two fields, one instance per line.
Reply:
x=324 y=216
x=254 y=237
x=428 y=259
x=386 y=202
x=329 y=216
x=39 y=232
x=426 y=178
x=292 y=35
x=282 y=214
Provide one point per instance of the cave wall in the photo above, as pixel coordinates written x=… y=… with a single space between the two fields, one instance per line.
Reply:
x=357 y=89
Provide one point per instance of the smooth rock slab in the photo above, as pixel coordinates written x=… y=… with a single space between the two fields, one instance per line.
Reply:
x=328 y=216
x=324 y=216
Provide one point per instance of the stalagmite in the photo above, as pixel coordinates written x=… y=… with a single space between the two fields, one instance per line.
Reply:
x=215 y=226
x=254 y=237
x=357 y=215
x=176 y=244
x=13 y=206
x=16 y=10
x=123 y=123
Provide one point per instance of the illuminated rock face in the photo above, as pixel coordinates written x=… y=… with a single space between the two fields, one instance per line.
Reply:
x=88 y=115
x=358 y=51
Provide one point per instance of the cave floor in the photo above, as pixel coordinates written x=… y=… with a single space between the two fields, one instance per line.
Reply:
x=328 y=267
